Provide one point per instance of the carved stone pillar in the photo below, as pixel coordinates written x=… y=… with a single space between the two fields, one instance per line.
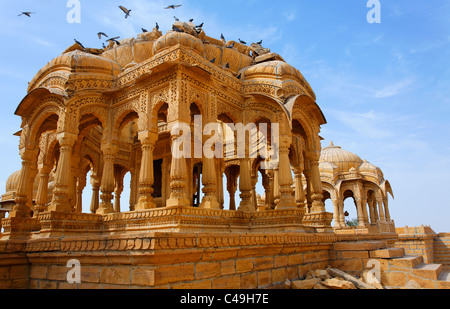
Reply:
x=299 y=191
x=42 y=192
x=285 y=179
x=316 y=183
x=276 y=188
x=133 y=189
x=146 y=177
x=386 y=209
x=372 y=211
x=95 y=201
x=380 y=208
x=220 y=183
x=254 y=179
x=267 y=184
x=21 y=208
x=341 y=212
x=178 y=178
x=307 y=173
x=81 y=184
x=63 y=177
x=232 y=174
x=209 y=189
x=245 y=186
x=107 y=185
x=359 y=208
x=365 y=213
x=337 y=221
x=118 y=189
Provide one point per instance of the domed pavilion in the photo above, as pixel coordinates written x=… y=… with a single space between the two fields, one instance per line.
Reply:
x=117 y=110
x=345 y=175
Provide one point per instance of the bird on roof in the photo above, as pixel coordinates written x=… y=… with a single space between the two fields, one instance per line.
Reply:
x=227 y=65
x=144 y=30
x=177 y=29
x=100 y=35
x=157 y=26
x=26 y=13
x=242 y=42
x=79 y=43
x=260 y=42
x=239 y=76
x=173 y=6
x=103 y=45
x=231 y=46
x=114 y=40
x=213 y=60
x=199 y=26
x=125 y=10
x=222 y=37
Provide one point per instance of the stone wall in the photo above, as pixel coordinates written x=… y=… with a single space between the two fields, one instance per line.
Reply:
x=174 y=260
x=417 y=241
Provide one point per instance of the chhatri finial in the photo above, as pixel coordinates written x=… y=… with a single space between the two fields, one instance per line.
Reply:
x=331 y=144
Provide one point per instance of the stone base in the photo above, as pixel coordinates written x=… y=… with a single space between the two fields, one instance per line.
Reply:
x=194 y=220
x=58 y=224
x=321 y=221
x=19 y=228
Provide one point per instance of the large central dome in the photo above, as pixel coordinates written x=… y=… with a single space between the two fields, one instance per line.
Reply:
x=343 y=159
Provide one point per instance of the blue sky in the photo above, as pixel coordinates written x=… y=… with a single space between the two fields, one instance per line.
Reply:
x=384 y=88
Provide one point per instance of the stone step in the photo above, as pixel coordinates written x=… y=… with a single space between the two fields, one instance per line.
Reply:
x=442 y=241
x=429 y=271
x=444 y=276
x=388 y=253
x=441 y=252
x=442 y=247
x=359 y=246
x=407 y=261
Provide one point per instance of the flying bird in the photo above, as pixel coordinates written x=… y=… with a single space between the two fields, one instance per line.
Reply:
x=191 y=20
x=144 y=30
x=26 y=13
x=100 y=35
x=125 y=10
x=176 y=19
x=79 y=44
x=242 y=42
x=173 y=6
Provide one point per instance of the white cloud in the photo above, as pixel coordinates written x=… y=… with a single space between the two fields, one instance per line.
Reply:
x=291 y=15
x=395 y=89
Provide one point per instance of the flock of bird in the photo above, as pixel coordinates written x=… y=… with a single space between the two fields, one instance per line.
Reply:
x=127 y=12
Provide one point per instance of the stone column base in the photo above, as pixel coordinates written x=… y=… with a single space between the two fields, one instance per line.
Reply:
x=57 y=224
x=19 y=227
x=321 y=221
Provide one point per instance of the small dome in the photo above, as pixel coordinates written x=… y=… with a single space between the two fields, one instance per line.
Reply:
x=343 y=159
x=174 y=38
x=273 y=68
x=77 y=61
x=12 y=182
